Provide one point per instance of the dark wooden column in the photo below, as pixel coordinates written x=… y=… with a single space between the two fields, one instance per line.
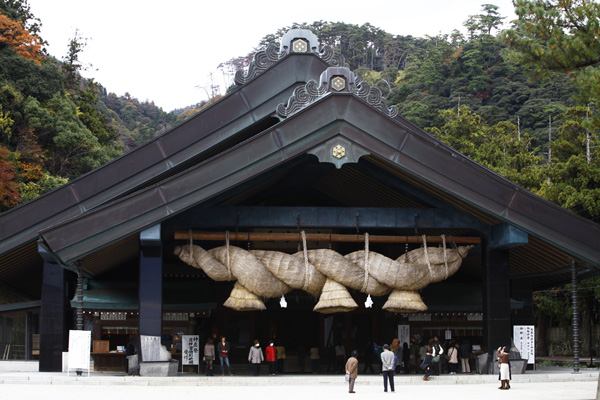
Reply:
x=53 y=318
x=150 y=283
x=497 y=328
x=496 y=300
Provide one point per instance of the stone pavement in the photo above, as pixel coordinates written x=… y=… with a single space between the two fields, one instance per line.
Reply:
x=559 y=384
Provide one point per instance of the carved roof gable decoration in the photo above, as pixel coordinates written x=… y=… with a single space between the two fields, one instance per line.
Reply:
x=337 y=80
x=294 y=41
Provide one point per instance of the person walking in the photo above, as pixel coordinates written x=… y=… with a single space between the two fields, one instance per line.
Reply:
x=352 y=370
x=387 y=368
x=272 y=358
x=503 y=354
x=255 y=357
x=209 y=356
x=223 y=350
x=426 y=365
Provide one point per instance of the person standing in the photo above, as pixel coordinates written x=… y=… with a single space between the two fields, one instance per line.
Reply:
x=340 y=357
x=405 y=357
x=503 y=354
x=438 y=350
x=209 y=356
x=464 y=351
x=280 y=358
x=271 y=358
x=223 y=350
x=387 y=367
x=452 y=359
x=255 y=357
x=314 y=359
x=352 y=370
x=368 y=358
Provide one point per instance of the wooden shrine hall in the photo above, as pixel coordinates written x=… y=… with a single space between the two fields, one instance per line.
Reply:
x=300 y=188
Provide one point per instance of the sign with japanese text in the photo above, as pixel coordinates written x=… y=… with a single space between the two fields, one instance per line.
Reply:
x=404 y=334
x=524 y=338
x=79 y=349
x=190 y=350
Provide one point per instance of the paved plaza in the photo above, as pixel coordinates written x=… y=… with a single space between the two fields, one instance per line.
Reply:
x=547 y=385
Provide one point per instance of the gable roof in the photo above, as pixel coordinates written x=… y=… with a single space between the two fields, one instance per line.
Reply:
x=364 y=131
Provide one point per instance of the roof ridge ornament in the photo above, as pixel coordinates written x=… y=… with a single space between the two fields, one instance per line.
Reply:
x=339 y=80
x=294 y=41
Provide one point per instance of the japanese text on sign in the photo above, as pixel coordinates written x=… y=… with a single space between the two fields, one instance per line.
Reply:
x=190 y=350
x=524 y=338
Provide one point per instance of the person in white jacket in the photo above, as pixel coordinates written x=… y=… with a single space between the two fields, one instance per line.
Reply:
x=255 y=357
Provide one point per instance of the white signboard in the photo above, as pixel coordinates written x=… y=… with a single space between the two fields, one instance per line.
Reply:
x=79 y=350
x=524 y=338
x=403 y=334
x=190 y=350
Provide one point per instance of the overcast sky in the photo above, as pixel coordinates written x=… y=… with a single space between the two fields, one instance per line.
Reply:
x=164 y=51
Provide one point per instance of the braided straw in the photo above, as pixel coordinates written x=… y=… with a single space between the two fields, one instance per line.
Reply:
x=366 y=281
x=228 y=257
x=191 y=255
x=427 y=255
x=307 y=271
x=445 y=255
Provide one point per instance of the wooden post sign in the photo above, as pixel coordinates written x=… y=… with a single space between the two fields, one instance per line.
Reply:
x=190 y=351
x=79 y=350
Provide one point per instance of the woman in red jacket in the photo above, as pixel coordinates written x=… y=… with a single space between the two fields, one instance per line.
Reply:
x=272 y=358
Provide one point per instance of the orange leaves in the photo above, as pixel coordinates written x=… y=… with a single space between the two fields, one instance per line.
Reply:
x=9 y=193
x=13 y=34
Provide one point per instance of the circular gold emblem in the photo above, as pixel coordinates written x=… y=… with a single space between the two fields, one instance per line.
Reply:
x=299 y=46
x=339 y=151
x=338 y=83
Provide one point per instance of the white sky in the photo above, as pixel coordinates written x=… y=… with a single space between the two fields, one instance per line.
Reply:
x=164 y=51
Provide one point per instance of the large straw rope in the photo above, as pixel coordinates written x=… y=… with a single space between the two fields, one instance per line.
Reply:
x=272 y=273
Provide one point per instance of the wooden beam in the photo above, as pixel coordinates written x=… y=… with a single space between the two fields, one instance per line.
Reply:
x=317 y=237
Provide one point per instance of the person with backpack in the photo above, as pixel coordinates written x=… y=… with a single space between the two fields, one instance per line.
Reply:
x=437 y=351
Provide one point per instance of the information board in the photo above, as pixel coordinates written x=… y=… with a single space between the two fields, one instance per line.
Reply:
x=404 y=334
x=79 y=350
x=190 y=350
x=524 y=338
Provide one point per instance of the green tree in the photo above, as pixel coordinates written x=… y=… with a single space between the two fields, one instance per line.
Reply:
x=574 y=171
x=560 y=36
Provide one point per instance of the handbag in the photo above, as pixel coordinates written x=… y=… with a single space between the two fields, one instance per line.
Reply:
x=347 y=377
x=436 y=359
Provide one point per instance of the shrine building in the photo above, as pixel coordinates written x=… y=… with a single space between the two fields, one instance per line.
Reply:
x=299 y=208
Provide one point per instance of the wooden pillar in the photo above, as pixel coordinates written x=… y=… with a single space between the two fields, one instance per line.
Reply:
x=496 y=300
x=54 y=331
x=150 y=283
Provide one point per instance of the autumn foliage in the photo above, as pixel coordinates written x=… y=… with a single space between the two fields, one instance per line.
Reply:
x=9 y=193
x=13 y=34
